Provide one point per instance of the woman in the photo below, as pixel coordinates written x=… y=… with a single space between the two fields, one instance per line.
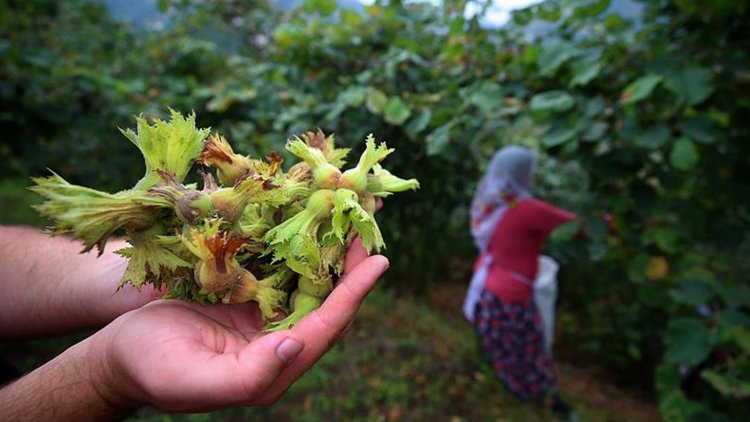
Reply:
x=510 y=227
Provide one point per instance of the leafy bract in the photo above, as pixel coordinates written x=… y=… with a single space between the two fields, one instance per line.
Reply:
x=170 y=146
x=92 y=215
x=257 y=235
x=152 y=259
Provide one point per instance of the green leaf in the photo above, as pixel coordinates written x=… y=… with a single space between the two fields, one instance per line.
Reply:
x=735 y=295
x=727 y=385
x=684 y=156
x=396 y=111
x=699 y=129
x=692 y=293
x=220 y=103
x=558 y=136
x=554 y=101
x=566 y=231
x=162 y=5
x=654 y=137
x=597 y=250
x=640 y=89
x=488 y=98
x=335 y=111
x=549 y=11
x=530 y=54
x=615 y=22
x=688 y=341
x=350 y=18
x=634 y=351
x=594 y=131
x=596 y=228
x=741 y=336
x=668 y=239
x=288 y=34
x=584 y=72
x=522 y=16
x=353 y=96
x=418 y=123
x=637 y=267
x=376 y=101
x=324 y=7
x=555 y=54
x=437 y=141
x=594 y=106
x=694 y=84
x=589 y=8
x=737 y=317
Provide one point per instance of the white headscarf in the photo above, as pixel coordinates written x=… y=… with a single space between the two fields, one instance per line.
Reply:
x=511 y=173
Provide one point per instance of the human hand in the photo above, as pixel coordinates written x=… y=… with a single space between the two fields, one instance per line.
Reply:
x=187 y=357
x=101 y=277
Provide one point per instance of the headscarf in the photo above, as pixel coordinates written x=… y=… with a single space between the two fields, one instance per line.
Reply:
x=508 y=179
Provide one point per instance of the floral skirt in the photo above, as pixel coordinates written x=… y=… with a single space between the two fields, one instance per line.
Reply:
x=511 y=334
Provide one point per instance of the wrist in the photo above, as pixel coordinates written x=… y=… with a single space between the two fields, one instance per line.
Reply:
x=103 y=376
x=76 y=385
x=111 y=300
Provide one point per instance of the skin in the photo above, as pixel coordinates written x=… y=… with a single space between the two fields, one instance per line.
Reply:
x=174 y=355
x=57 y=290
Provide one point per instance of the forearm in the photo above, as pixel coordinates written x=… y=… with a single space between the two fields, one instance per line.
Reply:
x=71 y=387
x=47 y=286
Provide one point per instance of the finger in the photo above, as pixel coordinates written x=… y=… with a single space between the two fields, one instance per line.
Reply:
x=161 y=291
x=324 y=326
x=241 y=378
x=355 y=255
x=357 y=252
x=355 y=284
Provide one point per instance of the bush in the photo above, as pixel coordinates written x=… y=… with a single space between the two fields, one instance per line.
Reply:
x=644 y=120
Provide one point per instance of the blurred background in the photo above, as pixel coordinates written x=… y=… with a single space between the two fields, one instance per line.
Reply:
x=637 y=108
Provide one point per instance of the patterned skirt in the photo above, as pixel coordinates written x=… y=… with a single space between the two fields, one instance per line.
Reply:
x=511 y=334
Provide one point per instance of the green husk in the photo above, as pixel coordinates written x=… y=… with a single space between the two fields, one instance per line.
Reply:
x=260 y=234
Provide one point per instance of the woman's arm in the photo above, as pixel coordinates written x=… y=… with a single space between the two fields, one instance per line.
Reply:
x=48 y=287
x=546 y=217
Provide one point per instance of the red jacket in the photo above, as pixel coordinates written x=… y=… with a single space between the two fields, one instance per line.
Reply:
x=515 y=247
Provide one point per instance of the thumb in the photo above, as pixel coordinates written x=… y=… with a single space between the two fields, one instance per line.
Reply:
x=324 y=325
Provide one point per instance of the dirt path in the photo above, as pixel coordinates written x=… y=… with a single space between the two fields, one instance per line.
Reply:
x=604 y=401
x=592 y=395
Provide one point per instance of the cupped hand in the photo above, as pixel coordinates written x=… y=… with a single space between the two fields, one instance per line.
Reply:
x=188 y=357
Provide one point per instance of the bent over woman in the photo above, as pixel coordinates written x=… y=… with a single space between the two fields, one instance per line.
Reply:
x=510 y=227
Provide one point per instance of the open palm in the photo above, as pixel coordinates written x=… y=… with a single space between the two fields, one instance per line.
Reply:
x=188 y=357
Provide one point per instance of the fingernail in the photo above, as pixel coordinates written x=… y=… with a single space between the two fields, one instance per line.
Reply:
x=384 y=262
x=289 y=349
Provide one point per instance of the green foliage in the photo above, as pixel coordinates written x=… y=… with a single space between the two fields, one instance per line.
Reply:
x=16 y=203
x=643 y=120
x=640 y=89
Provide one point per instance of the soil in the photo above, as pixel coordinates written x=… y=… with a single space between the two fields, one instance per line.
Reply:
x=583 y=386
